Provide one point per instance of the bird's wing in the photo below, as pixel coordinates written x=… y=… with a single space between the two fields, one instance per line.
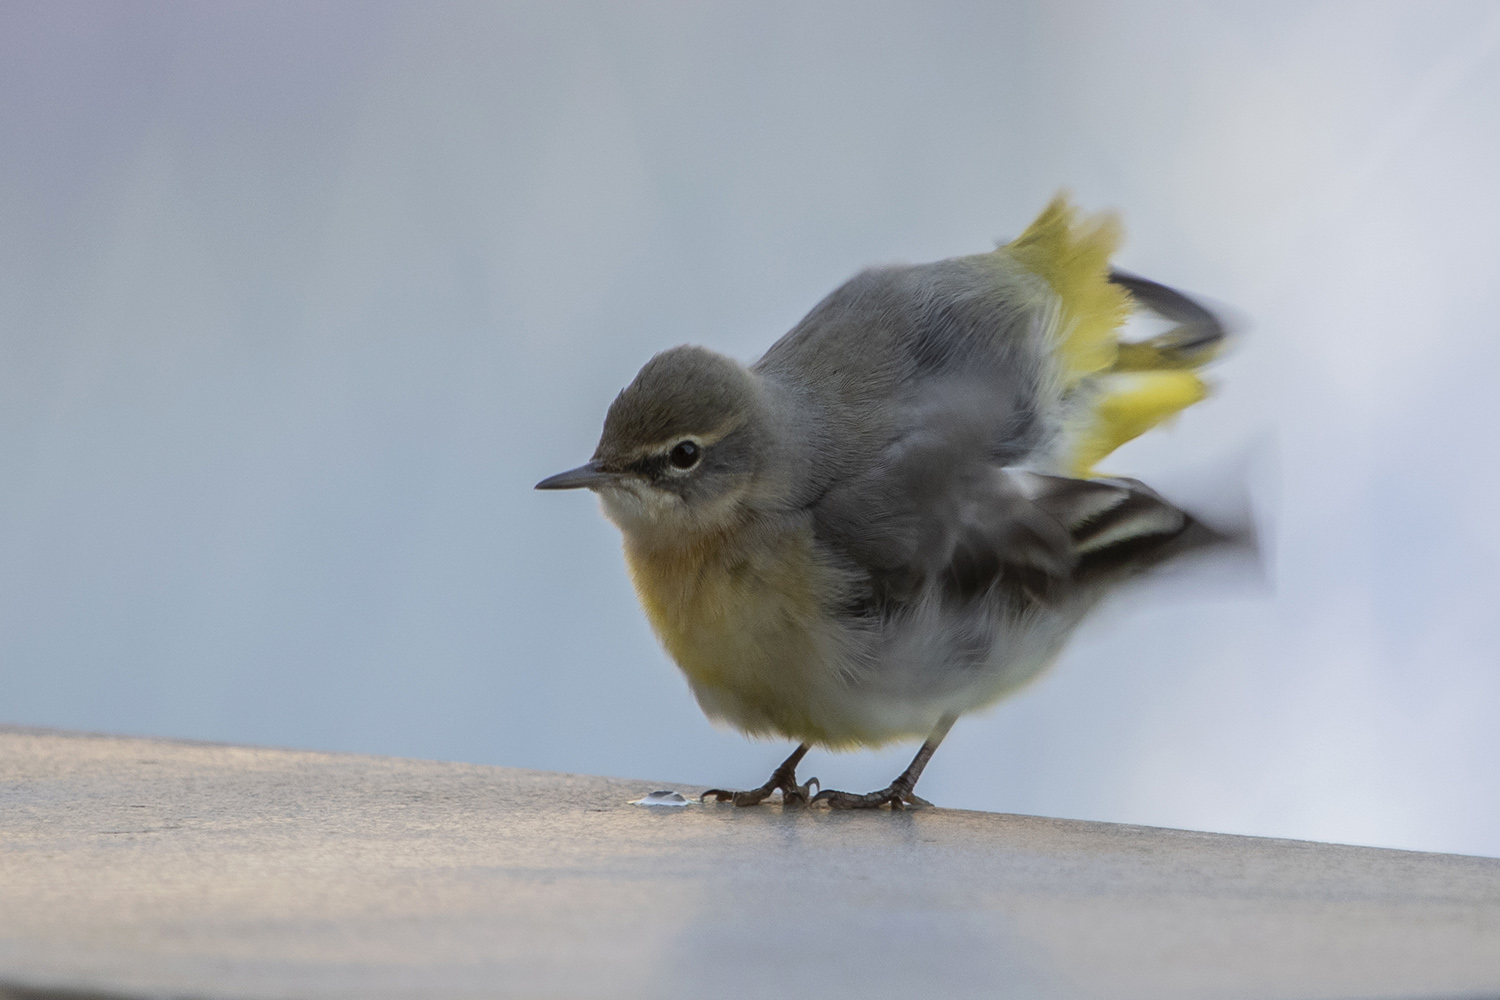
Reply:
x=921 y=524
x=923 y=392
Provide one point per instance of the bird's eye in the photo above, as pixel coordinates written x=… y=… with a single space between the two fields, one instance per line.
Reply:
x=684 y=455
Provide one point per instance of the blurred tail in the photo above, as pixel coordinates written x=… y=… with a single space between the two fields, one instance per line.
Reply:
x=1150 y=381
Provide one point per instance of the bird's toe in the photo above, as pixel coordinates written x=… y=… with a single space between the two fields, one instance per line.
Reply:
x=849 y=800
x=752 y=797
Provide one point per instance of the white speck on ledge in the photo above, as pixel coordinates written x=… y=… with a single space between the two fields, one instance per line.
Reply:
x=663 y=798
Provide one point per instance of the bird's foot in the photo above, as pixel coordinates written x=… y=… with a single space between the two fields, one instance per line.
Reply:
x=895 y=795
x=784 y=778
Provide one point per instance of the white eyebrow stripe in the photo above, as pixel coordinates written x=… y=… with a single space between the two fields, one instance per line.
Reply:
x=701 y=440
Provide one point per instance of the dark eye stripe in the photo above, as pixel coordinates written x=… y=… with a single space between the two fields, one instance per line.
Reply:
x=651 y=466
x=655 y=467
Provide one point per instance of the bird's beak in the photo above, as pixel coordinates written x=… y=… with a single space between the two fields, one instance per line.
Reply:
x=586 y=476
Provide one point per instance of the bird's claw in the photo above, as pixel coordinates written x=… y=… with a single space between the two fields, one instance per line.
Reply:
x=801 y=795
x=896 y=798
x=792 y=794
x=751 y=797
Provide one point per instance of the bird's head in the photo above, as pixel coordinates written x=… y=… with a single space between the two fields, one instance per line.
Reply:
x=681 y=448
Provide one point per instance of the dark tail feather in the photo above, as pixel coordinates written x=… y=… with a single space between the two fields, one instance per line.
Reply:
x=1196 y=337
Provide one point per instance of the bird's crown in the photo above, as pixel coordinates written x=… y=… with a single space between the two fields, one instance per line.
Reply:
x=682 y=394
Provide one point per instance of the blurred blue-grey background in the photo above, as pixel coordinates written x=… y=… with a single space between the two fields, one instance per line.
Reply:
x=298 y=300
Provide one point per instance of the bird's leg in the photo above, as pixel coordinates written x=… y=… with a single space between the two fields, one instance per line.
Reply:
x=899 y=792
x=784 y=778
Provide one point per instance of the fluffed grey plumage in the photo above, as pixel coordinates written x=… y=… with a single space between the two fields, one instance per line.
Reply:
x=869 y=531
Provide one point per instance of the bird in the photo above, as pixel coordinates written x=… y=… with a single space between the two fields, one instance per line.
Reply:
x=894 y=517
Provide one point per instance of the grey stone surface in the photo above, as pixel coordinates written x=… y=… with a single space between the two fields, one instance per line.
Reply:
x=152 y=868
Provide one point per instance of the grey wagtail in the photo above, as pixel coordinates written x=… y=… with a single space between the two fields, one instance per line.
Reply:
x=892 y=518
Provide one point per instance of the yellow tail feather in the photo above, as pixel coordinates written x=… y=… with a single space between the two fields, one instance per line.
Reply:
x=1131 y=387
x=1131 y=404
x=1072 y=256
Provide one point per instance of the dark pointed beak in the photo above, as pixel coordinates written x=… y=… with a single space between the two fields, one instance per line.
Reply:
x=584 y=477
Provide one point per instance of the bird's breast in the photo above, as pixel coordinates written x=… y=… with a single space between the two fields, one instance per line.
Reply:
x=746 y=621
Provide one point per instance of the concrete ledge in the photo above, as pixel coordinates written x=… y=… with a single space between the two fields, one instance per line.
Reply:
x=133 y=867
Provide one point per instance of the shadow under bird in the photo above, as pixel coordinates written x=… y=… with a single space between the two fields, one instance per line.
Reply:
x=892 y=518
